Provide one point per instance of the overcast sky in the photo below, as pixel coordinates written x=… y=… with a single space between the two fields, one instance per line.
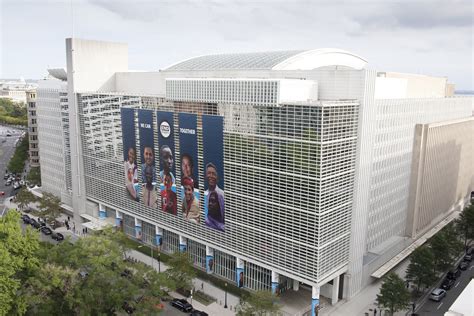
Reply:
x=432 y=37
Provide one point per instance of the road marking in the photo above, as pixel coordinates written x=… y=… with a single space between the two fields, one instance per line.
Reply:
x=439 y=305
x=457 y=284
x=471 y=267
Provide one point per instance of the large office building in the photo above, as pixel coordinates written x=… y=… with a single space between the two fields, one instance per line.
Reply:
x=288 y=170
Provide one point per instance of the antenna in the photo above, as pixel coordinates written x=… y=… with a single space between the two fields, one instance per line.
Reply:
x=72 y=20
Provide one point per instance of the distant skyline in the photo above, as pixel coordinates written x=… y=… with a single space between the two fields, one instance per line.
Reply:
x=420 y=36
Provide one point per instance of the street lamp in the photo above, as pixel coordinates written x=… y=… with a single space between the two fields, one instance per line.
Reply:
x=225 y=301
x=141 y=246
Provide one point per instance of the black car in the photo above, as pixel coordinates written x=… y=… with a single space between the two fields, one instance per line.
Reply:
x=468 y=258
x=454 y=274
x=469 y=251
x=198 y=313
x=464 y=265
x=34 y=223
x=447 y=284
x=26 y=219
x=46 y=230
x=182 y=305
x=57 y=236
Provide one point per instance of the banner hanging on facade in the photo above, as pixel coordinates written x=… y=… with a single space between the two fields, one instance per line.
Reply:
x=147 y=151
x=189 y=191
x=213 y=157
x=169 y=201
x=129 y=152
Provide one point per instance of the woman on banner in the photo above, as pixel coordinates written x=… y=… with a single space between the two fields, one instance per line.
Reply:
x=168 y=197
x=214 y=216
x=190 y=202
x=131 y=174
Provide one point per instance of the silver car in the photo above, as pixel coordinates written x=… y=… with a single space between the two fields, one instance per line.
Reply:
x=437 y=295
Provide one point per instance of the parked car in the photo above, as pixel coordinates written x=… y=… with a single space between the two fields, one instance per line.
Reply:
x=454 y=274
x=198 y=313
x=468 y=258
x=35 y=223
x=6 y=176
x=26 y=219
x=57 y=236
x=469 y=251
x=437 y=295
x=182 y=305
x=46 y=230
x=464 y=265
x=447 y=284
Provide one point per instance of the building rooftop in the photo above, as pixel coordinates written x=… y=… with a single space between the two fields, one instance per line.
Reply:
x=276 y=60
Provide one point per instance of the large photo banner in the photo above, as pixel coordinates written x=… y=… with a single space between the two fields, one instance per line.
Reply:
x=147 y=151
x=189 y=169
x=167 y=158
x=213 y=157
x=129 y=152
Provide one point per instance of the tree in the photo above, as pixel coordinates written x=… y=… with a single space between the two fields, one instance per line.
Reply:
x=17 y=161
x=50 y=206
x=421 y=268
x=393 y=296
x=24 y=198
x=181 y=271
x=34 y=176
x=17 y=258
x=258 y=304
x=465 y=224
x=440 y=247
x=90 y=277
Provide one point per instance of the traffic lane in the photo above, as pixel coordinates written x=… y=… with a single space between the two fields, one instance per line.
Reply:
x=7 y=149
x=439 y=308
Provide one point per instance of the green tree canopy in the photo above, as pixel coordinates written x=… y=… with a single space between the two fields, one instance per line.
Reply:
x=50 y=206
x=421 y=269
x=465 y=224
x=181 y=271
x=24 y=198
x=17 y=258
x=258 y=303
x=393 y=296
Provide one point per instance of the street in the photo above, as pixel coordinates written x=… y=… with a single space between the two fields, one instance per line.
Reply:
x=433 y=308
x=7 y=149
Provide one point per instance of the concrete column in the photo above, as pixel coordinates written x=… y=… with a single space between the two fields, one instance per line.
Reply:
x=315 y=301
x=182 y=243
x=335 y=290
x=118 y=219
x=102 y=211
x=239 y=272
x=158 y=236
x=209 y=260
x=296 y=285
x=138 y=229
x=275 y=282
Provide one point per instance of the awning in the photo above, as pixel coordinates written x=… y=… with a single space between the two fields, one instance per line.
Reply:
x=96 y=223
x=389 y=265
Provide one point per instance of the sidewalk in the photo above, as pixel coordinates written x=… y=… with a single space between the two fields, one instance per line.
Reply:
x=216 y=308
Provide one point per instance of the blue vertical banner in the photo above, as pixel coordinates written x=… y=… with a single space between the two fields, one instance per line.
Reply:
x=239 y=277
x=213 y=157
x=189 y=169
x=147 y=151
x=209 y=264
x=129 y=152
x=315 y=307
x=169 y=200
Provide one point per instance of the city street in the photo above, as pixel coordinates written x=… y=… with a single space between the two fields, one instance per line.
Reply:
x=7 y=149
x=433 y=308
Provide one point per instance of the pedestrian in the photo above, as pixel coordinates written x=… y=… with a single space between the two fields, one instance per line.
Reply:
x=86 y=230
x=74 y=226
x=375 y=312
x=68 y=218
x=83 y=231
x=202 y=286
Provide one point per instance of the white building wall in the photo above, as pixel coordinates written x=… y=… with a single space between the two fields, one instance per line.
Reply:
x=50 y=136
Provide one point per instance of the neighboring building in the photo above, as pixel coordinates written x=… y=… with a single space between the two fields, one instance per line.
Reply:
x=15 y=90
x=53 y=135
x=317 y=157
x=32 y=128
x=463 y=305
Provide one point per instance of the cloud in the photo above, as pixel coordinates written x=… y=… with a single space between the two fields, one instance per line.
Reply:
x=419 y=15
